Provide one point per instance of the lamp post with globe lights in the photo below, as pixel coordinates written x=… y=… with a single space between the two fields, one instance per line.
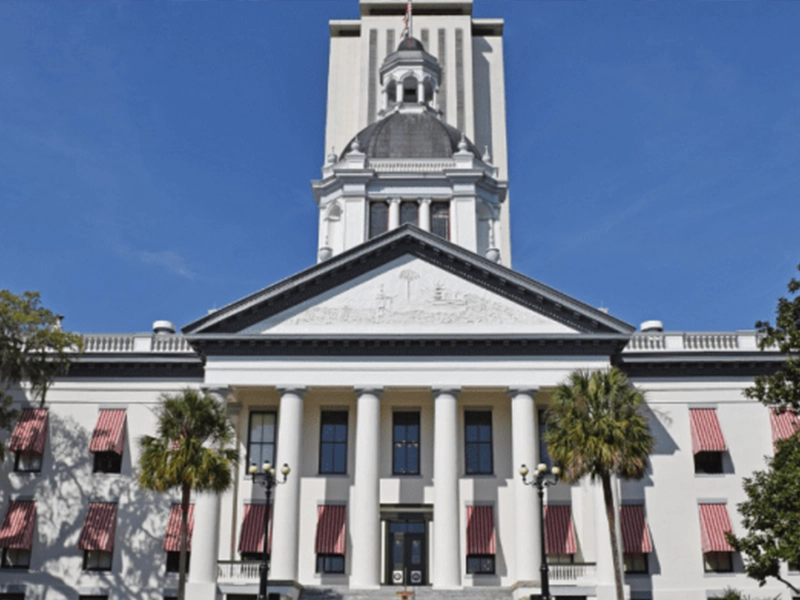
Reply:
x=266 y=477
x=543 y=478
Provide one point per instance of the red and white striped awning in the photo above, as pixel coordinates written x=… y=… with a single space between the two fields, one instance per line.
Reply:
x=99 y=527
x=480 y=530
x=252 y=538
x=714 y=523
x=109 y=433
x=172 y=541
x=17 y=529
x=331 y=521
x=635 y=535
x=706 y=432
x=559 y=530
x=784 y=425
x=30 y=432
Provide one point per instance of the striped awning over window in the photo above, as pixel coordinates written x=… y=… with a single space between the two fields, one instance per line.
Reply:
x=560 y=533
x=109 y=433
x=252 y=537
x=706 y=432
x=31 y=431
x=714 y=523
x=17 y=529
x=635 y=535
x=784 y=425
x=99 y=527
x=480 y=530
x=331 y=529
x=172 y=541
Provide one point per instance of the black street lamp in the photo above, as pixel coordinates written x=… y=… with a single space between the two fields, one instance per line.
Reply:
x=541 y=480
x=267 y=478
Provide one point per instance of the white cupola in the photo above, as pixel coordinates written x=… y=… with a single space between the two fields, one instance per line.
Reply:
x=410 y=76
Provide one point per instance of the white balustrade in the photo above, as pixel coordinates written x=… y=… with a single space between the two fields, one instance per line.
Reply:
x=647 y=342
x=108 y=343
x=572 y=573
x=414 y=166
x=171 y=343
x=710 y=341
x=238 y=572
x=742 y=341
x=126 y=343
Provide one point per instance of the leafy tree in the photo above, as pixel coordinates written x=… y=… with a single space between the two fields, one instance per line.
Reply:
x=191 y=452
x=781 y=389
x=732 y=594
x=33 y=350
x=595 y=427
x=771 y=514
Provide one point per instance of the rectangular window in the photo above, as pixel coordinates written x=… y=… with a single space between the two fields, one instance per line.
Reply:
x=27 y=462
x=252 y=556
x=330 y=563
x=378 y=218
x=261 y=439
x=480 y=564
x=107 y=462
x=708 y=463
x=440 y=219
x=94 y=597
x=97 y=560
x=718 y=562
x=409 y=213
x=333 y=442
x=405 y=443
x=174 y=561
x=635 y=562
x=12 y=596
x=561 y=559
x=478 y=442
x=544 y=455
x=14 y=558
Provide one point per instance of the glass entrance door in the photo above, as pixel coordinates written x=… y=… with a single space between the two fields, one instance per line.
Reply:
x=407 y=553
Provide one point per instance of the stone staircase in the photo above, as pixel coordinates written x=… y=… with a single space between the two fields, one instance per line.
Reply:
x=390 y=593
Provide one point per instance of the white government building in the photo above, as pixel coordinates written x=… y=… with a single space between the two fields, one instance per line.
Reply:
x=402 y=378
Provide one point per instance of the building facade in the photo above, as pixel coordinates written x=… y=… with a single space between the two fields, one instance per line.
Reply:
x=402 y=378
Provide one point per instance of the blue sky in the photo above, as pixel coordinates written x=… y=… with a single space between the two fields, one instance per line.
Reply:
x=155 y=157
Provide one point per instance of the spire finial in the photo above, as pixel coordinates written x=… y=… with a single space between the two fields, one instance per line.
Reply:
x=332 y=156
x=462 y=145
x=407 y=19
x=487 y=156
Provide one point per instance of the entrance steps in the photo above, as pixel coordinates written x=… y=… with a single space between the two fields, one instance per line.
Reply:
x=390 y=593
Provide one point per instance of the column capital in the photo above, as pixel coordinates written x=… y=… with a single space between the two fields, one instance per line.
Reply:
x=517 y=391
x=373 y=390
x=451 y=390
x=222 y=394
x=395 y=200
x=425 y=200
x=297 y=390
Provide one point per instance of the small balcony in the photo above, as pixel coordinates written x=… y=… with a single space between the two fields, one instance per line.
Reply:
x=573 y=574
x=238 y=572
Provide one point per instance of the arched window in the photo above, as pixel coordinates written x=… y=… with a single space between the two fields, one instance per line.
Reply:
x=440 y=219
x=410 y=89
x=378 y=218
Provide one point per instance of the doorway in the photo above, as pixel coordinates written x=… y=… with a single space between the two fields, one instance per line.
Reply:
x=407 y=551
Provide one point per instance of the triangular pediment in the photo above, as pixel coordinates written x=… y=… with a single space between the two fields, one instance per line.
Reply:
x=407 y=282
x=408 y=296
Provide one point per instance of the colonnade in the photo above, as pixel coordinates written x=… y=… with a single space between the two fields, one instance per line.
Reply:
x=364 y=516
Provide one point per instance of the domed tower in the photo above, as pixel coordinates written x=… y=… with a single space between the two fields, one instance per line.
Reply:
x=411 y=167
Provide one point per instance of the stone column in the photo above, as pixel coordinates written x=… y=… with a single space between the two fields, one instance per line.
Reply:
x=286 y=509
x=421 y=92
x=446 y=549
x=202 y=580
x=385 y=98
x=425 y=214
x=365 y=510
x=524 y=442
x=394 y=213
x=398 y=91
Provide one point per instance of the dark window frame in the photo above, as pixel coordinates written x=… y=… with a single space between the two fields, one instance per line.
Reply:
x=250 y=442
x=709 y=463
x=251 y=556
x=436 y=220
x=481 y=564
x=376 y=227
x=628 y=559
x=405 y=205
x=4 y=563
x=342 y=417
x=173 y=560
x=716 y=567
x=479 y=445
x=403 y=445
x=27 y=453
x=107 y=462
x=330 y=563
x=87 y=555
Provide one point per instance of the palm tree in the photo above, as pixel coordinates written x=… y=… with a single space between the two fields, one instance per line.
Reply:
x=190 y=452
x=595 y=427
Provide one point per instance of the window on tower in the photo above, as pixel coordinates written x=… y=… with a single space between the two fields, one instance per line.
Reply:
x=378 y=218
x=440 y=219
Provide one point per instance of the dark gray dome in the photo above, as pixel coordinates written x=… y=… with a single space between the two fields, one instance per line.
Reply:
x=410 y=43
x=410 y=135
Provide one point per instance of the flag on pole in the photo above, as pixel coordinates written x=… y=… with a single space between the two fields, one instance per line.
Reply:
x=407 y=21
